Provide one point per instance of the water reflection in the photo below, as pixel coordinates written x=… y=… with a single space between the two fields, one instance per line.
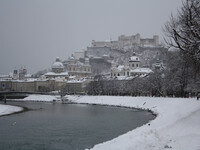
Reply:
x=66 y=126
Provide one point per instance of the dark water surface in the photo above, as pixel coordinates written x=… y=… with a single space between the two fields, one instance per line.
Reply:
x=51 y=126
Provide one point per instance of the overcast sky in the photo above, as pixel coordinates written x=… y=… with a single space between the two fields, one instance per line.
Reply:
x=34 y=32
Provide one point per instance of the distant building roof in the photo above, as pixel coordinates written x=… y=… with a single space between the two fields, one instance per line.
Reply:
x=134 y=58
x=142 y=70
x=56 y=74
x=58 y=63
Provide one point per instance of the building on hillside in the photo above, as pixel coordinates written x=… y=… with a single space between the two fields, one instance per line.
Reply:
x=77 y=86
x=23 y=86
x=57 y=70
x=79 y=54
x=142 y=72
x=132 y=69
x=120 y=70
x=134 y=62
x=5 y=77
x=22 y=73
x=124 y=41
x=15 y=74
x=32 y=85
x=79 y=69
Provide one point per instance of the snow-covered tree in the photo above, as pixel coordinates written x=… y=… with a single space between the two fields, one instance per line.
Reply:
x=183 y=32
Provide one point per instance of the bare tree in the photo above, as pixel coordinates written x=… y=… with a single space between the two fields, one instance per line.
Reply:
x=183 y=32
x=177 y=74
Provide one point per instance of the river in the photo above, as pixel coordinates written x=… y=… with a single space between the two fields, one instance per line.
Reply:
x=56 y=126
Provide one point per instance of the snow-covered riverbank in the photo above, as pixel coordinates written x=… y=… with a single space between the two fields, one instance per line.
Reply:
x=7 y=109
x=176 y=127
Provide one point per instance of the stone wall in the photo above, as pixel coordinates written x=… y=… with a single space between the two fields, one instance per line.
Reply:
x=123 y=41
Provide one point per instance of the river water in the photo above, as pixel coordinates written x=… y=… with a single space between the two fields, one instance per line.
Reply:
x=56 y=126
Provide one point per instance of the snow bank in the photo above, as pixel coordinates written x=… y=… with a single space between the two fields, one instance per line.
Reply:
x=7 y=109
x=42 y=98
x=177 y=126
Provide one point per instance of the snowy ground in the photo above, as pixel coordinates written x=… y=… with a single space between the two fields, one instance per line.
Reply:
x=176 y=127
x=7 y=109
x=41 y=98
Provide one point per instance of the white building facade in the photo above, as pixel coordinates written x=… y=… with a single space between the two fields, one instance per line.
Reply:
x=132 y=69
x=57 y=70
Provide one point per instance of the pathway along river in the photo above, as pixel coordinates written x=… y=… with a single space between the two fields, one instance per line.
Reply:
x=55 y=126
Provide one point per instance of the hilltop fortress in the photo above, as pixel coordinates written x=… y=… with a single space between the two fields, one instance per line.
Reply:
x=121 y=60
x=123 y=41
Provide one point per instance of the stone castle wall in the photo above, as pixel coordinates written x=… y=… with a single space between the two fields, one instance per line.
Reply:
x=134 y=40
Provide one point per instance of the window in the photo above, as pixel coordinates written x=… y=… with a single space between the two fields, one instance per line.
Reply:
x=118 y=74
x=137 y=65
x=128 y=73
x=132 y=65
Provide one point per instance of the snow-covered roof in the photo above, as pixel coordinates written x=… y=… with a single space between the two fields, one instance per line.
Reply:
x=141 y=70
x=56 y=74
x=28 y=75
x=4 y=76
x=120 y=67
x=134 y=58
x=72 y=77
x=105 y=55
x=71 y=58
x=26 y=80
x=57 y=65
x=87 y=59
x=78 y=63
x=76 y=81
x=124 y=77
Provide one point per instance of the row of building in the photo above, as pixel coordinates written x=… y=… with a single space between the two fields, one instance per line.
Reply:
x=79 y=70
x=76 y=79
